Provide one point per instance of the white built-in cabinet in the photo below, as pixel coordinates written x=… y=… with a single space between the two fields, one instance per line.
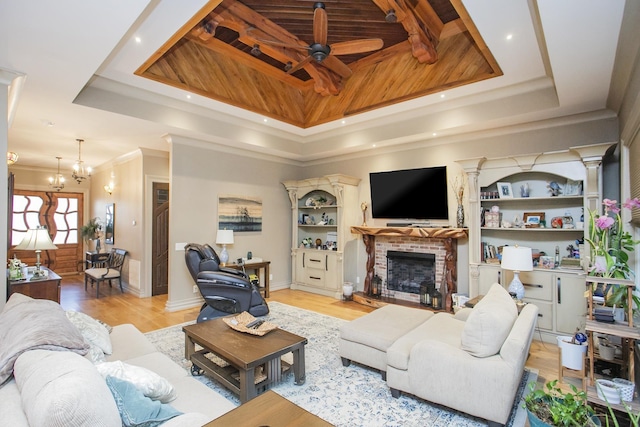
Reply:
x=323 y=210
x=558 y=292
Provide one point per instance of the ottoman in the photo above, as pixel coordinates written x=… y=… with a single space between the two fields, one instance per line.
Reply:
x=365 y=340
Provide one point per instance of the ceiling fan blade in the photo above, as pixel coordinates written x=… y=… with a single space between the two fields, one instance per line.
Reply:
x=356 y=46
x=320 y=25
x=336 y=65
x=300 y=64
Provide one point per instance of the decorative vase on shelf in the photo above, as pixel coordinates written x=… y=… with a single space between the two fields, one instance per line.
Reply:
x=460 y=216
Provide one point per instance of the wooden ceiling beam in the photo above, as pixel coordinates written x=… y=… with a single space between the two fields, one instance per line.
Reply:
x=255 y=29
x=422 y=24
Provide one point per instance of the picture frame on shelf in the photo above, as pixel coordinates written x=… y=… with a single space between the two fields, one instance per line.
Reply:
x=304 y=219
x=504 y=190
x=533 y=219
x=573 y=188
x=546 y=262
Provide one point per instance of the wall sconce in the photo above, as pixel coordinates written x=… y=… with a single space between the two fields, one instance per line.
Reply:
x=109 y=188
x=11 y=157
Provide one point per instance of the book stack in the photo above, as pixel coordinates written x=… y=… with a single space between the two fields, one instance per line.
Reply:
x=603 y=314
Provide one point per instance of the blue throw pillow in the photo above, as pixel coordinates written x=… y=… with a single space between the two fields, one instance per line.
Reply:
x=136 y=409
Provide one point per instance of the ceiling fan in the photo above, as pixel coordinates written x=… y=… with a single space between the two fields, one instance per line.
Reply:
x=320 y=51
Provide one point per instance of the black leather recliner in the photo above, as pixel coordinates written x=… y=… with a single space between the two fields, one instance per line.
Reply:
x=225 y=290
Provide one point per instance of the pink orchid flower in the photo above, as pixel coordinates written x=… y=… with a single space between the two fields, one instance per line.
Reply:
x=611 y=205
x=604 y=222
x=632 y=203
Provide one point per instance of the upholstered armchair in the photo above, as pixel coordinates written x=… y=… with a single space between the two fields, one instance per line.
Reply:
x=225 y=291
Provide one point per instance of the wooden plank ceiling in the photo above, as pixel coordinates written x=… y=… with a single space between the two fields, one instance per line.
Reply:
x=240 y=53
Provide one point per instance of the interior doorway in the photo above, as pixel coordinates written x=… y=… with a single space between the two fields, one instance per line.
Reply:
x=160 y=239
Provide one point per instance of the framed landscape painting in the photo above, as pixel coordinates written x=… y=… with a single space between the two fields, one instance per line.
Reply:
x=239 y=213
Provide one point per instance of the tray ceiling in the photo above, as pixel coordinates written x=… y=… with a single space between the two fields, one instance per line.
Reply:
x=432 y=46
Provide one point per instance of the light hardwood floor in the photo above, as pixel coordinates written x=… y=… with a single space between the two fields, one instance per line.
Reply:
x=148 y=314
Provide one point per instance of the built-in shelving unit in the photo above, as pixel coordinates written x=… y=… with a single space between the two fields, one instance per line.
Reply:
x=529 y=213
x=322 y=210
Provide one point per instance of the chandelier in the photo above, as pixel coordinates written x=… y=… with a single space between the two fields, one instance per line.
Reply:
x=80 y=173
x=57 y=182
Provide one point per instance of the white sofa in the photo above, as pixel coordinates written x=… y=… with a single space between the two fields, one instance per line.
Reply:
x=471 y=361
x=49 y=385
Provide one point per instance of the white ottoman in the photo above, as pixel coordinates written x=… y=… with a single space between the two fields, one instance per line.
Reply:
x=366 y=339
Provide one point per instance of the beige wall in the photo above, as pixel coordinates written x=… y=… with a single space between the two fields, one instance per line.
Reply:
x=198 y=176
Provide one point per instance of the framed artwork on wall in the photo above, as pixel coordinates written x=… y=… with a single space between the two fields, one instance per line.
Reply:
x=239 y=213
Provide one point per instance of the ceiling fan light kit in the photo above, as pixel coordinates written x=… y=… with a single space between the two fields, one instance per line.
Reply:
x=391 y=17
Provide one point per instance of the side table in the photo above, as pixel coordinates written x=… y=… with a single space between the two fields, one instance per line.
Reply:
x=45 y=288
x=95 y=259
x=257 y=266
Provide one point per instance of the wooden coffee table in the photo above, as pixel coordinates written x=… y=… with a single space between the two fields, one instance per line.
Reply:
x=269 y=409
x=243 y=352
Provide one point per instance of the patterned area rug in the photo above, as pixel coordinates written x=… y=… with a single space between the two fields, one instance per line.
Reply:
x=353 y=396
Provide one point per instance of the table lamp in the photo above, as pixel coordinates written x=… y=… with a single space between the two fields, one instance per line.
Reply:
x=224 y=238
x=37 y=239
x=516 y=258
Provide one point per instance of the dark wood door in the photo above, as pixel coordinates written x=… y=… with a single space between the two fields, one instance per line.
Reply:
x=160 y=253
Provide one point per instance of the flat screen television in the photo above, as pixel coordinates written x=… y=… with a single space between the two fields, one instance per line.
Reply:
x=420 y=194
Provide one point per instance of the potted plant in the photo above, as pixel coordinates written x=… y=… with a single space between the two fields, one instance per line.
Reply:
x=553 y=407
x=90 y=230
x=610 y=245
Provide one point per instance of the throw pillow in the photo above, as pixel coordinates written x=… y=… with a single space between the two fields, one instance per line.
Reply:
x=148 y=382
x=489 y=323
x=34 y=324
x=135 y=408
x=61 y=388
x=92 y=330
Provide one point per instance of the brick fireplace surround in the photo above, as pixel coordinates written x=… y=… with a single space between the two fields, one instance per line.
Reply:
x=440 y=241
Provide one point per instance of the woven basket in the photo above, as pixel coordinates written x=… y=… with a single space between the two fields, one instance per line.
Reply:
x=240 y=322
x=626 y=388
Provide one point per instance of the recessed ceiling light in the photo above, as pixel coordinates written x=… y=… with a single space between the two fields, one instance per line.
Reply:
x=442 y=95
x=374 y=145
x=343 y=122
x=188 y=96
x=265 y=120
x=138 y=40
x=47 y=123
x=434 y=134
x=509 y=36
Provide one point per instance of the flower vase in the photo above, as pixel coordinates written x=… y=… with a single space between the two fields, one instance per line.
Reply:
x=460 y=216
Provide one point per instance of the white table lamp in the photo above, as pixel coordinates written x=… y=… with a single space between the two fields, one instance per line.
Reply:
x=517 y=259
x=37 y=239
x=224 y=238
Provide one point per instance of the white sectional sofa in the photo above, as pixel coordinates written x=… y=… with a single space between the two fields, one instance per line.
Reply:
x=471 y=361
x=51 y=381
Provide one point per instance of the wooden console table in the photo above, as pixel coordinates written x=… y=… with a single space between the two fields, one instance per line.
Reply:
x=45 y=288
x=449 y=236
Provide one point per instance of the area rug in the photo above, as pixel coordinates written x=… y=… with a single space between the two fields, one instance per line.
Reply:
x=351 y=396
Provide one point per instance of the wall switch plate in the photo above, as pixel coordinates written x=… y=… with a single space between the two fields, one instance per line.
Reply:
x=195 y=289
x=270 y=276
x=358 y=279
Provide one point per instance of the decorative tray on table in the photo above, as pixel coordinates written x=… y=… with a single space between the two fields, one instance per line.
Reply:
x=245 y=322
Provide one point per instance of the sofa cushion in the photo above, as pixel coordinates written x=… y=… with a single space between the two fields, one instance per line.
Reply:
x=489 y=323
x=135 y=408
x=28 y=324
x=443 y=327
x=148 y=382
x=92 y=330
x=61 y=388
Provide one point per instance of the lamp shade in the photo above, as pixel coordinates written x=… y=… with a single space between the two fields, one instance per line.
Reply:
x=224 y=237
x=36 y=239
x=517 y=258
